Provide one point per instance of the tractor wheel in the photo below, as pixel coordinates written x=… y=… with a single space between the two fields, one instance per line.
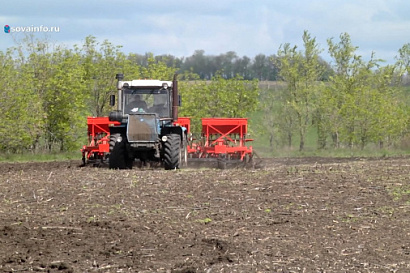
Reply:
x=172 y=154
x=118 y=158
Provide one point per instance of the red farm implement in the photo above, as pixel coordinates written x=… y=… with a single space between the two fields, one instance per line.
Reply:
x=98 y=140
x=223 y=139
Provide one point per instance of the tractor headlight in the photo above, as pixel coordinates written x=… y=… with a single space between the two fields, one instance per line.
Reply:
x=164 y=139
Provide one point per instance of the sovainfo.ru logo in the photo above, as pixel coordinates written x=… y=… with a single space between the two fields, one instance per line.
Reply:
x=32 y=28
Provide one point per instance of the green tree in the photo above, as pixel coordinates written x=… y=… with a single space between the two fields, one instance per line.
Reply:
x=260 y=67
x=21 y=107
x=403 y=63
x=278 y=121
x=334 y=98
x=301 y=72
x=218 y=98
x=157 y=70
x=361 y=103
x=66 y=97
x=404 y=57
x=35 y=63
x=101 y=62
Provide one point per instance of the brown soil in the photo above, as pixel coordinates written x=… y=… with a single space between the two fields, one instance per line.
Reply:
x=288 y=215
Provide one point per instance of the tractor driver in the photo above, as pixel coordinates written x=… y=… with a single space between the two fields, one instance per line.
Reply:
x=136 y=104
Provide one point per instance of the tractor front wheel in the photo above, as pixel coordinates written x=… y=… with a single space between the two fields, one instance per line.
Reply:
x=118 y=158
x=172 y=152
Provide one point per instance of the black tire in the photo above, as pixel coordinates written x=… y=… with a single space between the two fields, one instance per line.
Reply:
x=172 y=152
x=119 y=158
x=113 y=140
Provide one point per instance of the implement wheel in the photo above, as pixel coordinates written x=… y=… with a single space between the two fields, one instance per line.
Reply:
x=183 y=154
x=172 y=152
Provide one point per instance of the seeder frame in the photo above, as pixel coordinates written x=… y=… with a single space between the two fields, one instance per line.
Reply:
x=220 y=138
x=98 y=138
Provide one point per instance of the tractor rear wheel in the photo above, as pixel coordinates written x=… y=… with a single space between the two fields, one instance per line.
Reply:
x=118 y=158
x=172 y=152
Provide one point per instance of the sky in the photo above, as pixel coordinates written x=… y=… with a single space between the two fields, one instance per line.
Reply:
x=179 y=27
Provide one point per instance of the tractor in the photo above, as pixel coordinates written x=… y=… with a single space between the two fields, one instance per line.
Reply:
x=144 y=125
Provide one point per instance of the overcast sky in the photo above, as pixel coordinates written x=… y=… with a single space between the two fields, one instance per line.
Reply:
x=248 y=27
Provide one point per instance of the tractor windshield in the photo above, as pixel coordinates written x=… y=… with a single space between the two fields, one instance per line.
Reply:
x=147 y=100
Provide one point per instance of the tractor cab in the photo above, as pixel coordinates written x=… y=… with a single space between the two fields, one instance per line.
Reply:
x=152 y=100
x=144 y=96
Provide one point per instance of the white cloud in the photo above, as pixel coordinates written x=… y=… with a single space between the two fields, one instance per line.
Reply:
x=246 y=27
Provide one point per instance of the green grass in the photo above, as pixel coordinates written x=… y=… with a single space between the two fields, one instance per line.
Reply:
x=312 y=152
x=400 y=192
x=205 y=220
x=260 y=145
x=39 y=157
x=263 y=149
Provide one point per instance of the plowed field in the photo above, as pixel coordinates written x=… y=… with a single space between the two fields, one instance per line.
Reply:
x=287 y=215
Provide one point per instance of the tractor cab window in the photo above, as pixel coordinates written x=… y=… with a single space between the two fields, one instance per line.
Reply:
x=160 y=105
x=147 y=101
x=135 y=103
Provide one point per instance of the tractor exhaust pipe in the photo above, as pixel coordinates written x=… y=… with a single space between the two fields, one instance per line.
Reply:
x=175 y=98
x=119 y=78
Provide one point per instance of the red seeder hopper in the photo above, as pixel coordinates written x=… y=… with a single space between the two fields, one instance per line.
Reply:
x=221 y=138
x=98 y=140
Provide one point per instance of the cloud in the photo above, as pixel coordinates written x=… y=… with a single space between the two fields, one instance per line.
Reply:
x=246 y=27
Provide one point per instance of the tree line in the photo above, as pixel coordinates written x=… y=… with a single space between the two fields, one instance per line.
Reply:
x=361 y=103
x=227 y=65
x=48 y=90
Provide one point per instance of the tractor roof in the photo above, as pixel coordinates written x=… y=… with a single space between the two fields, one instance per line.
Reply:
x=146 y=83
